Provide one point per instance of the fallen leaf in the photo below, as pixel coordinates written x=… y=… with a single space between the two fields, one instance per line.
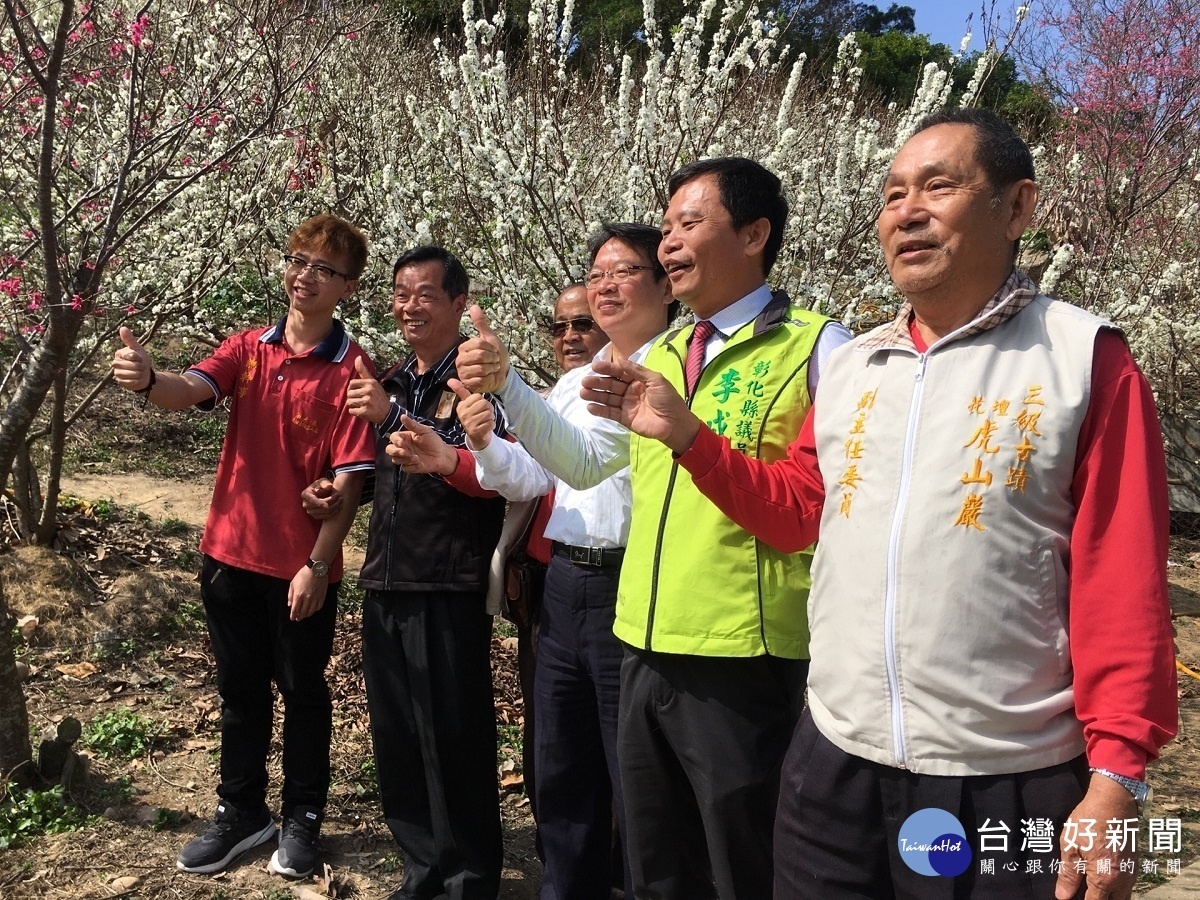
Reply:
x=125 y=883
x=28 y=625
x=77 y=670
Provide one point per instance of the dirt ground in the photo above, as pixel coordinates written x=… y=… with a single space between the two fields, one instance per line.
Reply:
x=119 y=627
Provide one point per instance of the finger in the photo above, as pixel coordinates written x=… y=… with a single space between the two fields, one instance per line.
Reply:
x=624 y=371
x=603 y=390
x=1068 y=881
x=128 y=339
x=411 y=424
x=459 y=388
x=361 y=368
x=480 y=320
x=604 y=411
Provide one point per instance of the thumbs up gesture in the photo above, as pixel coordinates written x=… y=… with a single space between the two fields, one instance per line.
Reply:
x=476 y=415
x=131 y=364
x=364 y=395
x=482 y=361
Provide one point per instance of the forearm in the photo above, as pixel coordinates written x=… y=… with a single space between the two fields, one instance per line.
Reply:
x=779 y=503
x=509 y=469
x=581 y=457
x=463 y=477
x=180 y=391
x=334 y=529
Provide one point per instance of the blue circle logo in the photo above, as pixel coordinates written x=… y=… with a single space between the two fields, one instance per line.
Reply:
x=933 y=842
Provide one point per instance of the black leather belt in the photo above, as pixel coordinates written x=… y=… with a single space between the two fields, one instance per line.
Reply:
x=599 y=557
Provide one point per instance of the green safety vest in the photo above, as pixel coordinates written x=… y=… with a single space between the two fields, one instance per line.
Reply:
x=692 y=581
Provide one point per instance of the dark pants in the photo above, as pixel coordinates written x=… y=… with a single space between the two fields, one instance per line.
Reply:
x=577 y=687
x=528 y=636
x=838 y=828
x=427 y=665
x=254 y=642
x=702 y=740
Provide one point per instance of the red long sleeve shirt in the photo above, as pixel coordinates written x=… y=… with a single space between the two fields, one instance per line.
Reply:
x=1120 y=630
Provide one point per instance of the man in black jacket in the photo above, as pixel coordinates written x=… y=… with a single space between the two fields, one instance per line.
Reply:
x=426 y=634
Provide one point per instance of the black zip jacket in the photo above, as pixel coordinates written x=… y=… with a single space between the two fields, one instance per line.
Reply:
x=424 y=534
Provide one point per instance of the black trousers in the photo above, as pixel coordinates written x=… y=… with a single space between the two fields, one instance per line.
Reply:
x=254 y=643
x=427 y=665
x=577 y=685
x=701 y=743
x=840 y=816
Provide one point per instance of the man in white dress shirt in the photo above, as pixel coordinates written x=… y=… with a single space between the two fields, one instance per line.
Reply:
x=578 y=673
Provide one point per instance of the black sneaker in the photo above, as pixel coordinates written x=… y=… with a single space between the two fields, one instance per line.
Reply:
x=297 y=853
x=231 y=833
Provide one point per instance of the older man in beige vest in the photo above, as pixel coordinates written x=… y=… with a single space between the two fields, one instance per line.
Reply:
x=991 y=642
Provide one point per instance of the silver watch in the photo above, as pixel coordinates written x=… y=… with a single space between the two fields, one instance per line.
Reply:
x=1140 y=789
x=319 y=567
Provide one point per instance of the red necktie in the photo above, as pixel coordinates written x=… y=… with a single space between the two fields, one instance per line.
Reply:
x=695 y=356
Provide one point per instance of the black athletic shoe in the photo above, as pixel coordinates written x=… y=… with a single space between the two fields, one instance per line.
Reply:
x=297 y=853
x=231 y=833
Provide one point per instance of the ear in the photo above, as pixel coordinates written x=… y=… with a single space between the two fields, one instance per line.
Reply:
x=755 y=235
x=351 y=287
x=1022 y=201
x=460 y=304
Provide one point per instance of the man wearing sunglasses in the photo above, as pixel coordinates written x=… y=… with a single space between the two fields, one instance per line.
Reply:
x=576 y=336
x=271 y=574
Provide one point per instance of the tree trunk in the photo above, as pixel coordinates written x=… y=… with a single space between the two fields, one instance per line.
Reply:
x=16 y=753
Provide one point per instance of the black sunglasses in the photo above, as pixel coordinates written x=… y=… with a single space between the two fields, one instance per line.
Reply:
x=582 y=325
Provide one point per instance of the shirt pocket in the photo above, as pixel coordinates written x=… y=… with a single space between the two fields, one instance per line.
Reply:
x=309 y=420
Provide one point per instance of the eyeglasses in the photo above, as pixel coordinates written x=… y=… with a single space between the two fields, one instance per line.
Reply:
x=322 y=274
x=616 y=274
x=582 y=325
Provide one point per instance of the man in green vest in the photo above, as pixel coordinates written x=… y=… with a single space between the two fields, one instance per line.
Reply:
x=713 y=623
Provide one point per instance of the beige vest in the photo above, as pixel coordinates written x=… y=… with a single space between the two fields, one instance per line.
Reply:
x=938 y=611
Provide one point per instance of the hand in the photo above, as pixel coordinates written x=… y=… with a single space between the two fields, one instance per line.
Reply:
x=131 y=364
x=641 y=400
x=321 y=499
x=420 y=449
x=365 y=397
x=476 y=414
x=1104 y=800
x=482 y=362
x=306 y=594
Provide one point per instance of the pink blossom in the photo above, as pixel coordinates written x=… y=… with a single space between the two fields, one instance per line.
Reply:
x=137 y=31
x=77 y=303
x=116 y=50
x=130 y=309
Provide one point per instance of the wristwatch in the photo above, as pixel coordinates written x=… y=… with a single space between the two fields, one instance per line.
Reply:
x=319 y=568
x=1140 y=789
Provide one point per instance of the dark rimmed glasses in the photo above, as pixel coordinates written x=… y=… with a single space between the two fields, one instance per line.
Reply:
x=581 y=324
x=322 y=274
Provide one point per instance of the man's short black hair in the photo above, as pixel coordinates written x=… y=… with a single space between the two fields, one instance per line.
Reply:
x=748 y=191
x=999 y=150
x=642 y=238
x=455 y=281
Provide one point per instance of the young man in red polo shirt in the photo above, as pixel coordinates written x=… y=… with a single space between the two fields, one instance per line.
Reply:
x=271 y=573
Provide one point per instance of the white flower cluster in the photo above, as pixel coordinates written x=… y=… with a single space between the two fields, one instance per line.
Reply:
x=186 y=151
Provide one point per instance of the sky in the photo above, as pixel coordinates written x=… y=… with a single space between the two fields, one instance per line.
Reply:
x=945 y=20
